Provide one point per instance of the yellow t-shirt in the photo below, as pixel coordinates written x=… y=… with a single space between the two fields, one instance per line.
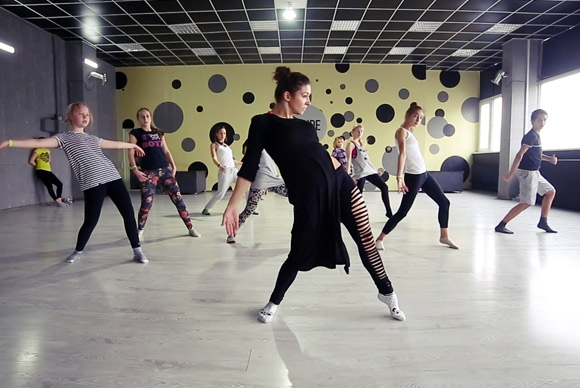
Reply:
x=42 y=159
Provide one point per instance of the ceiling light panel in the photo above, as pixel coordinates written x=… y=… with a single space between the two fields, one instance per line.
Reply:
x=344 y=25
x=186 y=28
x=464 y=53
x=401 y=50
x=425 y=26
x=269 y=50
x=502 y=28
x=335 y=50
x=204 y=52
x=131 y=47
x=264 y=25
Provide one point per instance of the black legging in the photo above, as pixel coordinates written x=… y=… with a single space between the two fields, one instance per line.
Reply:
x=355 y=217
x=430 y=187
x=49 y=179
x=94 y=199
x=376 y=180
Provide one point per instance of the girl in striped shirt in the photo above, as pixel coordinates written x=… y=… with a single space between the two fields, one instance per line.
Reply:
x=95 y=173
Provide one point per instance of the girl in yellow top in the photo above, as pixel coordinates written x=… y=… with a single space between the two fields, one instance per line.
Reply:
x=40 y=160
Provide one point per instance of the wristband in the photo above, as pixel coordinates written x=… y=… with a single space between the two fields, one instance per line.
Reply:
x=132 y=167
x=10 y=143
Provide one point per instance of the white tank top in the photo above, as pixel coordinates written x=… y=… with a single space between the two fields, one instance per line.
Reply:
x=414 y=162
x=361 y=164
x=225 y=156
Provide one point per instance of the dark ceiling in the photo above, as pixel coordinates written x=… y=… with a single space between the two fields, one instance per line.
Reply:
x=254 y=31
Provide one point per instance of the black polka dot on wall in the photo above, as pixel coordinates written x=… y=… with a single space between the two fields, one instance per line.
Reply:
x=385 y=113
x=325 y=146
x=348 y=100
x=217 y=83
x=449 y=78
x=359 y=120
x=388 y=149
x=248 y=97
x=168 y=116
x=188 y=144
x=328 y=91
x=440 y=113
x=272 y=105
x=198 y=166
x=176 y=84
x=128 y=124
x=342 y=67
x=342 y=86
x=230 y=132
x=199 y=108
x=120 y=80
x=419 y=71
x=456 y=163
x=337 y=120
x=371 y=140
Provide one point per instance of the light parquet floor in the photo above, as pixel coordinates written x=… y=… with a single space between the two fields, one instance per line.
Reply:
x=500 y=312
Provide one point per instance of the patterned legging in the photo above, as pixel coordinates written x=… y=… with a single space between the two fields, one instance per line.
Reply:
x=254 y=197
x=354 y=215
x=163 y=176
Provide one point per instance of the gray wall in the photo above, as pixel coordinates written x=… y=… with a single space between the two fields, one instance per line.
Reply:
x=35 y=83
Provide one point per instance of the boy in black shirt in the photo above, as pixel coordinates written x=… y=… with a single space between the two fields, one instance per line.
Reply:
x=526 y=167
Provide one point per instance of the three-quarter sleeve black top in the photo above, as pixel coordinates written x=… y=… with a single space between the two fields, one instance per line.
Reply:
x=312 y=185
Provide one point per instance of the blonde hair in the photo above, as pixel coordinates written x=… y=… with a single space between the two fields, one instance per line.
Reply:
x=71 y=110
x=336 y=139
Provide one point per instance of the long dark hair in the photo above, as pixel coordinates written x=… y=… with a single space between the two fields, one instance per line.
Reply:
x=154 y=129
x=288 y=81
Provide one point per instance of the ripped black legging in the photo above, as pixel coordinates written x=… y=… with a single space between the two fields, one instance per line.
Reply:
x=430 y=187
x=376 y=180
x=354 y=215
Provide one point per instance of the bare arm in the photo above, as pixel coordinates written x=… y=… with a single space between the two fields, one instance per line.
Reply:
x=213 y=151
x=550 y=158
x=49 y=142
x=349 y=149
x=400 y=136
x=231 y=217
x=169 y=156
x=516 y=163
x=121 y=145
x=141 y=176
x=32 y=159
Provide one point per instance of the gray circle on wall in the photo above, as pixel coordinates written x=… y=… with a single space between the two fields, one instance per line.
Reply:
x=449 y=130
x=330 y=133
x=372 y=85
x=188 y=144
x=317 y=118
x=346 y=135
x=403 y=94
x=435 y=127
x=434 y=149
x=470 y=109
x=217 y=83
x=443 y=96
x=348 y=116
x=168 y=116
x=390 y=161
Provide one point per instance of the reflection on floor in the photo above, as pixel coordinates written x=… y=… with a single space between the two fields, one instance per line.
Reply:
x=500 y=312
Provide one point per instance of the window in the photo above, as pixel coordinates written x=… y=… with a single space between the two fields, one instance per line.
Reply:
x=558 y=97
x=490 y=124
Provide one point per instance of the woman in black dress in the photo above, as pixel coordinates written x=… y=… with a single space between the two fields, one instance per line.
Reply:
x=322 y=193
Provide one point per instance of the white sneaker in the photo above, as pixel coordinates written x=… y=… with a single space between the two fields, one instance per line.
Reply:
x=194 y=233
x=379 y=245
x=393 y=303
x=266 y=314
x=140 y=257
x=231 y=240
x=73 y=257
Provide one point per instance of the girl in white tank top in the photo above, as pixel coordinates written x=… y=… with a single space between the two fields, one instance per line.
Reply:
x=412 y=165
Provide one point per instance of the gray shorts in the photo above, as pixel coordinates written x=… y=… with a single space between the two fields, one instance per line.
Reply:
x=532 y=183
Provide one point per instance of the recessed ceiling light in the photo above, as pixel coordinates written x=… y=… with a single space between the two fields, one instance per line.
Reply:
x=131 y=47
x=502 y=28
x=289 y=14
x=344 y=25
x=204 y=51
x=185 y=28
x=425 y=26
x=7 y=48
x=401 y=50
x=464 y=52
x=264 y=25
x=269 y=50
x=335 y=49
x=91 y=63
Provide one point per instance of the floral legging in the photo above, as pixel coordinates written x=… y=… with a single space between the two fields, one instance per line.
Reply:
x=163 y=176
x=254 y=197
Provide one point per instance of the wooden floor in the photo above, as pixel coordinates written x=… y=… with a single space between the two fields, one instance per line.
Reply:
x=503 y=311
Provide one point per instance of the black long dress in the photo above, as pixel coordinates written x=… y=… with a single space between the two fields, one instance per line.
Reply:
x=313 y=187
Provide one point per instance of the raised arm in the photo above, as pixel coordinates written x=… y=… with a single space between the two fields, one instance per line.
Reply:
x=516 y=163
x=401 y=137
x=49 y=142
x=121 y=145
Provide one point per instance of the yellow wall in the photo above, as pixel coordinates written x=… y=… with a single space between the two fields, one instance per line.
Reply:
x=151 y=86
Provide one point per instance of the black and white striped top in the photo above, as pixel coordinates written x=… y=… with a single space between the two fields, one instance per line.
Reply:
x=89 y=163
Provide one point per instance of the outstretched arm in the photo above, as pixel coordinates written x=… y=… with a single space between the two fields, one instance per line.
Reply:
x=121 y=145
x=49 y=142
